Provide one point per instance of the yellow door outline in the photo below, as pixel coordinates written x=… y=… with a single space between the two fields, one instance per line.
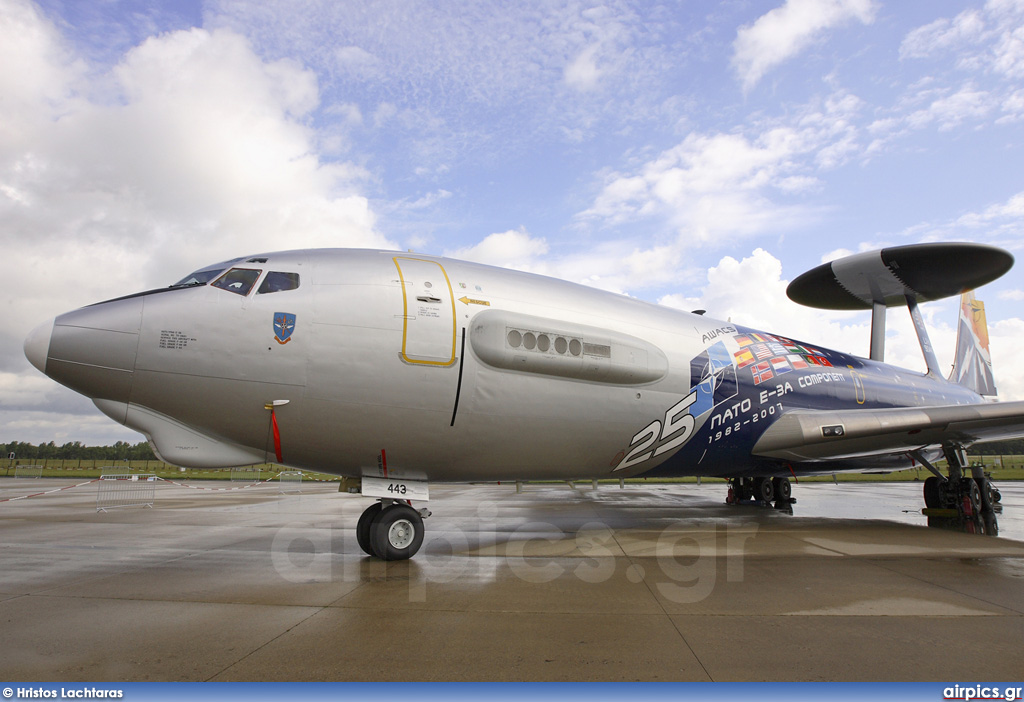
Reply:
x=859 y=391
x=425 y=361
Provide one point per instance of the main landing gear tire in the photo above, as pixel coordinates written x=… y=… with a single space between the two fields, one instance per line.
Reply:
x=363 y=527
x=991 y=524
x=962 y=504
x=764 y=489
x=933 y=492
x=740 y=491
x=783 y=489
x=973 y=523
x=396 y=533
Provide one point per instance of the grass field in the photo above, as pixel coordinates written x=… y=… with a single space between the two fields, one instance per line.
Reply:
x=1000 y=468
x=93 y=469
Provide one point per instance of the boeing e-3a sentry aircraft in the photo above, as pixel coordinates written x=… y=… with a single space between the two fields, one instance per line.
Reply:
x=402 y=369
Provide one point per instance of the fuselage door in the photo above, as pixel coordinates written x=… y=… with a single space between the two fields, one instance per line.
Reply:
x=428 y=330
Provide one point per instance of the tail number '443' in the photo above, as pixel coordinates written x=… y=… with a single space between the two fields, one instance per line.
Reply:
x=675 y=431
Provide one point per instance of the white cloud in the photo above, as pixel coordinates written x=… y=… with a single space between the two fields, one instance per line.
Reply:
x=941 y=104
x=943 y=34
x=1012 y=209
x=1005 y=337
x=39 y=71
x=1001 y=223
x=512 y=249
x=787 y=30
x=35 y=410
x=205 y=147
x=1009 y=53
x=834 y=254
x=476 y=67
x=358 y=62
x=1012 y=108
x=715 y=188
x=348 y=112
x=751 y=292
x=36 y=427
x=616 y=266
x=384 y=113
x=950 y=111
x=991 y=39
x=202 y=154
x=582 y=72
x=707 y=184
x=428 y=200
x=25 y=393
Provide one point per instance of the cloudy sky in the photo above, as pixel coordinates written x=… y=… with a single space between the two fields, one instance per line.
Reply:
x=696 y=154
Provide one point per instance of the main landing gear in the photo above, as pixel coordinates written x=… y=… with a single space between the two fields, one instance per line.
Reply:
x=391 y=530
x=762 y=491
x=968 y=504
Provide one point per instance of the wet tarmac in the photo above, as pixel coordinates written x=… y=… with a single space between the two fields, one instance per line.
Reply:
x=652 y=582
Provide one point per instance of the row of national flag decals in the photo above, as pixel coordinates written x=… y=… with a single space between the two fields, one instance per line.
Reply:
x=769 y=356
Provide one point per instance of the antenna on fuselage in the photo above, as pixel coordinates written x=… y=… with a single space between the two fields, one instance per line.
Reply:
x=898 y=276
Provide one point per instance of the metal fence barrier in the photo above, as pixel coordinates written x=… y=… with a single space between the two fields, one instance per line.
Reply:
x=289 y=481
x=125 y=491
x=28 y=471
x=245 y=475
x=115 y=470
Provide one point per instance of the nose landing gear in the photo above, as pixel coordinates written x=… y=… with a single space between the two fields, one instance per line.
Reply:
x=392 y=532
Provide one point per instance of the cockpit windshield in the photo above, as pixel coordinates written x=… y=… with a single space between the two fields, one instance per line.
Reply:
x=238 y=280
x=241 y=279
x=205 y=275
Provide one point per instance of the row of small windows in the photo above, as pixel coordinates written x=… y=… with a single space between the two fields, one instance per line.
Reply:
x=543 y=342
x=241 y=281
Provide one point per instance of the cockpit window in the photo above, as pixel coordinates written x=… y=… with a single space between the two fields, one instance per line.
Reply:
x=238 y=280
x=205 y=275
x=278 y=282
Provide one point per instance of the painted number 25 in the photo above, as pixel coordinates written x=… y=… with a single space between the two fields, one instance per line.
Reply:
x=674 y=432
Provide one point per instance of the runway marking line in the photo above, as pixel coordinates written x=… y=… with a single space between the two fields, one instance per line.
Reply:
x=48 y=492
x=196 y=487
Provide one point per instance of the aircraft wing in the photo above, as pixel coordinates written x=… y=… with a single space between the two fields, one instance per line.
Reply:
x=820 y=435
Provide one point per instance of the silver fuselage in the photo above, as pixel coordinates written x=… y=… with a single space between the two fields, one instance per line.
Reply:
x=437 y=369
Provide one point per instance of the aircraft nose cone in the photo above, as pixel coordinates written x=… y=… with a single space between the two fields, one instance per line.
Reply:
x=93 y=350
x=37 y=345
